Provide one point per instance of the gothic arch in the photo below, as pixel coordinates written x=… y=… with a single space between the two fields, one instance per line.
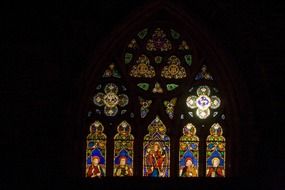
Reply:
x=206 y=51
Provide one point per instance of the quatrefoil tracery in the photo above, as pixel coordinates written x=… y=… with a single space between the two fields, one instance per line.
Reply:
x=203 y=102
x=110 y=99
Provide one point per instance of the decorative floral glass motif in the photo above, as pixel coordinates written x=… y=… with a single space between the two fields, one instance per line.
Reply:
x=169 y=107
x=157 y=88
x=203 y=74
x=189 y=152
x=143 y=85
x=183 y=46
x=110 y=100
x=133 y=44
x=96 y=151
x=156 y=150
x=171 y=86
x=158 y=42
x=173 y=69
x=111 y=72
x=145 y=104
x=203 y=102
x=142 y=68
x=215 y=153
x=123 y=150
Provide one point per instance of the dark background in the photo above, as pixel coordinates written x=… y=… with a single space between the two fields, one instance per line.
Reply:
x=46 y=48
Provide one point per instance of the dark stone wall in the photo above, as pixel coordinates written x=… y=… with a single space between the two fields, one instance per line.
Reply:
x=46 y=48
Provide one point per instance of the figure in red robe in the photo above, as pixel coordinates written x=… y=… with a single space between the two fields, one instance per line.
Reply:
x=155 y=160
x=215 y=170
x=95 y=170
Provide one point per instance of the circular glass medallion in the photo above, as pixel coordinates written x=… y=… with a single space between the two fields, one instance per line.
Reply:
x=191 y=102
x=203 y=102
x=110 y=87
x=173 y=69
x=98 y=99
x=216 y=102
x=203 y=90
x=111 y=99
x=142 y=68
x=203 y=114
x=110 y=111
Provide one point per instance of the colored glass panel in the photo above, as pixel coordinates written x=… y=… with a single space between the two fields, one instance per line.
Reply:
x=169 y=107
x=142 y=68
x=171 y=87
x=110 y=99
x=215 y=152
x=111 y=72
x=175 y=35
x=156 y=150
x=189 y=152
x=145 y=105
x=142 y=33
x=133 y=44
x=157 y=88
x=128 y=58
x=188 y=59
x=123 y=151
x=157 y=59
x=158 y=41
x=204 y=74
x=144 y=86
x=173 y=69
x=183 y=46
x=203 y=102
x=96 y=151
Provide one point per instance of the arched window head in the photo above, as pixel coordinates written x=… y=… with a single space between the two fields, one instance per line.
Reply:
x=159 y=87
x=216 y=156
x=96 y=151
x=189 y=152
x=123 y=150
x=156 y=150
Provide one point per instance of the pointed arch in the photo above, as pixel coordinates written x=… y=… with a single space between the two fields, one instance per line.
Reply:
x=156 y=150
x=192 y=38
x=123 y=150
x=189 y=152
x=96 y=151
x=216 y=152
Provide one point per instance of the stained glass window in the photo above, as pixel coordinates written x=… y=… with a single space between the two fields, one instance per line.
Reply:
x=123 y=150
x=215 y=154
x=96 y=151
x=157 y=55
x=152 y=75
x=189 y=152
x=156 y=150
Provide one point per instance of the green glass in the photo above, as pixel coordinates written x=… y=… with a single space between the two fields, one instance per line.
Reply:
x=142 y=33
x=171 y=87
x=128 y=58
x=175 y=35
x=188 y=59
x=144 y=86
x=158 y=59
